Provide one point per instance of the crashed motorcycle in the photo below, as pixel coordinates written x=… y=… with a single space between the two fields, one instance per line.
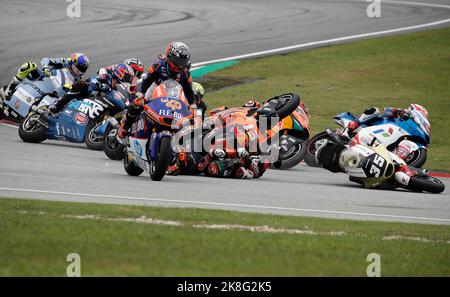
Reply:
x=408 y=137
x=373 y=166
x=234 y=130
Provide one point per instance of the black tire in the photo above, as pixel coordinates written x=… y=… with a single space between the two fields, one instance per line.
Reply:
x=417 y=158
x=93 y=141
x=292 y=156
x=425 y=184
x=112 y=148
x=287 y=108
x=32 y=134
x=159 y=167
x=310 y=155
x=130 y=167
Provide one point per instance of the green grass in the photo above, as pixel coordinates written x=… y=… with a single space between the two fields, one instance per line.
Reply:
x=36 y=236
x=389 y=71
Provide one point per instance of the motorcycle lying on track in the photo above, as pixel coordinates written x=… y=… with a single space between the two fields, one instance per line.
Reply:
x=373 y=166
x=80 y=121
x=30 y=92
x=149 y=145
x=294 y=134
x=226 y=126
x=398 y=135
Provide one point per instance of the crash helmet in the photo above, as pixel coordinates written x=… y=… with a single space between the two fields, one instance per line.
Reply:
x=198 y=90
x=251 y=104
x=137 y=66
x=123 y=73
x=78 y=64
x=178 y=56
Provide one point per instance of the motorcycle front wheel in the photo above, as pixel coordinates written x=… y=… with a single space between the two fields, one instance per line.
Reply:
x=30 y=130
x=425 y=184
x=158 y=167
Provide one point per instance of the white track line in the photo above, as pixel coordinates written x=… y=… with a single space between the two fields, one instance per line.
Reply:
x=339 y=39
x=363 y=214
x=9 y=125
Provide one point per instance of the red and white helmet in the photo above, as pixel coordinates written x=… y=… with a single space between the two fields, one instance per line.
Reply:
x=420 y=116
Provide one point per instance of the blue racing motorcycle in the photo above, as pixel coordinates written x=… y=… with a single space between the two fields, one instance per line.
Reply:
x=80 y=121
x=149 y=144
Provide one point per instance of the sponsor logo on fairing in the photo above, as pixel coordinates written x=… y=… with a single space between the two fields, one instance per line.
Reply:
x=80 y=119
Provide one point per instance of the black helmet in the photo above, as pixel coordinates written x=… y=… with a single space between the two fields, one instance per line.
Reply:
x=179 y=55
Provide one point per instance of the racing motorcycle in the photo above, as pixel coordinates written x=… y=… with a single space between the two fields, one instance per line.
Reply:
x=149 y=144
x=30 y=92
x=294 y=134
x=374 y=166
x=80 y=121
x=225 y=126
x=408 y=137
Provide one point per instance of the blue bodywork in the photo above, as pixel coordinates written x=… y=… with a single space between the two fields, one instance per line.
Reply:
x=422 y=139
x=72 y=122
x=168 y=107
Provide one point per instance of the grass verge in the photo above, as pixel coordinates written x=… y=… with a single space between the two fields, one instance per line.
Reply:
x=37 y=236
x=388 y=71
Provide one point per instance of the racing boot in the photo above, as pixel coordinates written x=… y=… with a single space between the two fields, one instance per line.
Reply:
x=6 y=92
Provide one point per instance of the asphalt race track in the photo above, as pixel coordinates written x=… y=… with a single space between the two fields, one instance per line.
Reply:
x=110 y=31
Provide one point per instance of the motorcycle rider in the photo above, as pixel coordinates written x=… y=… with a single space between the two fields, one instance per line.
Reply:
x=102 y=83
x=77 y=64
x=174 y=65
x=373 y=113
x=134 y=63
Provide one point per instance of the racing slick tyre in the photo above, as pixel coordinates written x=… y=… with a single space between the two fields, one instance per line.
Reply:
x=158 y=168
x=291 y=156
x=92 y=139
x=111 y=146
x=293 y=100
x=425 y=184
x=32 y=132
x=417 y=158
x=130 y=167
x=311 y=147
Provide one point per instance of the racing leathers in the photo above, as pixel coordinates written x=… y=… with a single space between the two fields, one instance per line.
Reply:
x=31 y=71
x=102 y=83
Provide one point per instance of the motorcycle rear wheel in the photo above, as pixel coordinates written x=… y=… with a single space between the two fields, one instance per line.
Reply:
x=112 y=148
x=310 y=155
x=130 y=167
x=417 y=158
x=93 y=141
x=293 y=156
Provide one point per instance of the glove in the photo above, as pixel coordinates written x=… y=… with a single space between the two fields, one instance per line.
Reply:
x=242 y=152
x=122 y=132
x=139 y=102
x=104 y=87
x=46 y=71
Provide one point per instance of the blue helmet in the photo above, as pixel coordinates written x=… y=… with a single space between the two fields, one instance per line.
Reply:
x=79 y=64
